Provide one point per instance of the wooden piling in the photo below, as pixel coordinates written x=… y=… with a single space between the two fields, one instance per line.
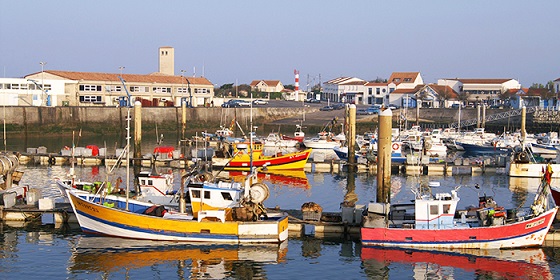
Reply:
x=137 y=132
x=351 y=122
x=384 y=156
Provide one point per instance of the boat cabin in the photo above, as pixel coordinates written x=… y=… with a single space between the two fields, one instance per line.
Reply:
x=215 y=196
x=436 y=212
x=155 y=185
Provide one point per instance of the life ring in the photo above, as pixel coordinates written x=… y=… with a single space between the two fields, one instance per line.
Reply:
x=396 y=146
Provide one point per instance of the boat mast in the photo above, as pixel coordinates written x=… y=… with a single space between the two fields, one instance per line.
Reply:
x=127 y=154
x=251 y=136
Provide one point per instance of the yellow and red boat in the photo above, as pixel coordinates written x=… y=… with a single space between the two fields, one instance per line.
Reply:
x=244 y=159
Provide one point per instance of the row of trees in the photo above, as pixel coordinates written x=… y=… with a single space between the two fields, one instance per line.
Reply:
x=244 y=90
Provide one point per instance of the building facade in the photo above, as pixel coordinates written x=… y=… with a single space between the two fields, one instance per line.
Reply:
x=344 y=89
x=267 y=86
x=108 y=89
x=480 y=90
x=31 y=92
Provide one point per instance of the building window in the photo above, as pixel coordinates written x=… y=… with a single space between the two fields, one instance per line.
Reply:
x=378 y=90
x=87 y=88
x=161 y=90
x=182 y=90
x=200 y=90
x=138 y=89
x=115 y=88
x=90 y=98
x=407 y=79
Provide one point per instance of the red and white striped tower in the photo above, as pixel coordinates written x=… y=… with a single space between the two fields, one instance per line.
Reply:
x=296 y=73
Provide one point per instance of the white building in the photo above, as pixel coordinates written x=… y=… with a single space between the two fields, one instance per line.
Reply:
x=31 y=92
x=484 y=90
x=344 y=89
x=378 y=93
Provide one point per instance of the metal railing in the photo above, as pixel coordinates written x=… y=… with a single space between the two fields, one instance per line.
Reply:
x=495 y=117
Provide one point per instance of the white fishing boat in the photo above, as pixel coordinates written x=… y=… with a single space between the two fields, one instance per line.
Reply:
x=274 y=140
x=322 y=141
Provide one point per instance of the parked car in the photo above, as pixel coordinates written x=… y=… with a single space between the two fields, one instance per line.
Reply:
x=312 y=100
x=373 y=110
x=393 y=107
x=362 y=112
x=327 y=108
x=455 y=106
x=242 y=102
x=230 y=104
x=260 y=102
x=338 y=106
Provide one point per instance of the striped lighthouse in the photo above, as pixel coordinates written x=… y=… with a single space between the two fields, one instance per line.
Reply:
x=296 y=74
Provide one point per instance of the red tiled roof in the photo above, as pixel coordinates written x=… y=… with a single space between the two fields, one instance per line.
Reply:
x=270 y=83
x=537 y=92
x=442 y=90
x=402 y=76
x=131 y=78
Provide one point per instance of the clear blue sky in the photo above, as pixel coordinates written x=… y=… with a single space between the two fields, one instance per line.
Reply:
x=253 y=40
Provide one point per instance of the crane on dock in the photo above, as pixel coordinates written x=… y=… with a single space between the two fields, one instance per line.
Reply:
x=128 y=102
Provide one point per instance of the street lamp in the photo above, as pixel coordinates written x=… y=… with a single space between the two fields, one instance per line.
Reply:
x=42 y=63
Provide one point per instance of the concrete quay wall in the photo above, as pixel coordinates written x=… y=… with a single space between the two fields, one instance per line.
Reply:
x=19 y=116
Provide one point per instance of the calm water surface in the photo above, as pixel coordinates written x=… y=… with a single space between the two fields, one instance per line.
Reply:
x=42 y=251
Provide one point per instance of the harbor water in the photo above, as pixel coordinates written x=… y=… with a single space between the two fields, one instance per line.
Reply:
x=41 y=250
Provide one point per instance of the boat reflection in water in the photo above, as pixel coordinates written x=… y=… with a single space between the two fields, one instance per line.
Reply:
x=487 y=264
x=114 y=256
x=290 y=178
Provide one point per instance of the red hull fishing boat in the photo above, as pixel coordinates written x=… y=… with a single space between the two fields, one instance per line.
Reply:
x=299 y=135
x=432 y=222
